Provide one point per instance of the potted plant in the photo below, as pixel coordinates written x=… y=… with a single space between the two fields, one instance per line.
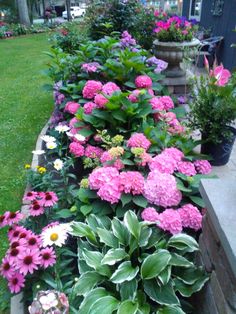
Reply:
x=175 y=35
x=213 y=110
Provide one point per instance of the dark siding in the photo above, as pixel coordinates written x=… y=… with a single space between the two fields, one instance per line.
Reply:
x=221 y=26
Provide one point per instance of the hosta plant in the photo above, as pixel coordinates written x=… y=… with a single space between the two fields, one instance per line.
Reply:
x=129 y=267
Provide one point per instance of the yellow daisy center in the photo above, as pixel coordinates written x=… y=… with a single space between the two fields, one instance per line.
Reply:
x=54 y=237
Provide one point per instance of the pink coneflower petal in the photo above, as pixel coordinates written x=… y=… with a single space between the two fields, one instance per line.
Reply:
x=6 y=268
x=28 y=261
x=36 y=209
x=16 y=282
x=13 y=254
x=14 y=218
x=48 y=199
x=48 y=257
x=14 y=232
x=30 y=196
x=33 y=242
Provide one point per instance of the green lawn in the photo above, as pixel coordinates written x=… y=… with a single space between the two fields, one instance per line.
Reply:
x=24 y=109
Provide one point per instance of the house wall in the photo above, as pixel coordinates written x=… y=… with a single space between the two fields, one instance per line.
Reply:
x=221 y=26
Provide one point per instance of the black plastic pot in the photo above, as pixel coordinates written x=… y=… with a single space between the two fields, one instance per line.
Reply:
x=220 y=153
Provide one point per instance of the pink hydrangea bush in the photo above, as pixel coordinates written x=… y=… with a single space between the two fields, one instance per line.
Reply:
x=91 y=88
x=138 y=140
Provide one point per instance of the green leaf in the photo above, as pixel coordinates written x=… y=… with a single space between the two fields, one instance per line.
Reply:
x=183 y=242
x=125 y=272
x=107 y=237
x=113 y=256
x=144 y=309
x=197 y=200
x=129 y=84
x=165 y=275
x=170 y=310
x=64 y=213
x=80 y=229
x=128 y=289
x=140 y=201
x=86 y=132
x=104 y=305
x=178 y=260
x=91 y=298
x=119 y=115
x=190 y=275
x=86 y=209
x=120 y=231
x=163 y=295
x=132 y=224
x=154 y=264
x=127 y=162
x=144 y=235
x=126 y=198
x=92 y=258
x=187 y=290
x=128 y=307
x=86 y=282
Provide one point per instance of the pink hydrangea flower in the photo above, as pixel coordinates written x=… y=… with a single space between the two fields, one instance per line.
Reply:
x=100 y=101
x=150 y=214
x=89 y=106
x=48 y=257
x=102 y=175
x=109 y=88
x=167 y=102
x=161 y=189
x=203 y=166
x=133 y=97
x=16 y=282
x=91 y=88
x=110 y=191
x=106 y=157
x=48 y=199
x=90 y=67
x=164 y=163
x=93 y=151
x=170 y=221
x=175 y=153
x=132 y=182
x=28 y=261
x=143 y=81
x=157 y=104
x=145 y=159
x=76 y=149
x=190 y=217
x=36 y=209
x=71 y=107
x=186 y=167
x=139 y=140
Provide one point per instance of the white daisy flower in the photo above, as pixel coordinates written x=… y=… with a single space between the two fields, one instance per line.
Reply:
x=38 y=152
x=51 y=145
x=57 y=235
x=48 y=138
x=58 y=164
x=62 y=128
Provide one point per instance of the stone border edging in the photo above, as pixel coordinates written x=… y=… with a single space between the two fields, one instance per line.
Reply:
x=17 y=306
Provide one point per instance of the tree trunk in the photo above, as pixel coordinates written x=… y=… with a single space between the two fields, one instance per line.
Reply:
x=23 y=12
x=68 y=5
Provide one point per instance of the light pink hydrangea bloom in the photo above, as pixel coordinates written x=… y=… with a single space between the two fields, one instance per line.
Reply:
x=133 y=97
x=90 y=67
x=139 y=140
x=186 y=167
x=91 y=88
x=143 y=81
x=93 y=151
x=89 y=106
x=106 y=157
x=170 y=221
x=161 y=189
x=167 y=102
x=102 y=175
x=71 y=107
x=175 y=153
x=110 y=191
x=100 y=101
x=190 y=217
x=132 y=182
x=203 y=166
x=150 y=214
x=164 y=163
x=157 y=104
x=76 y=149
x=109 y=88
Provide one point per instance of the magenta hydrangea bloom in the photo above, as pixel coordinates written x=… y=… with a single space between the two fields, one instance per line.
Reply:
x=150 y=214
x=90 y=67
x=89 y=106
x=145 y=159
x=167 y=102
x=186 y=167
x=102 y=175
x=143 y=81
x=190 y=217
x=109 y=88
x=203 y=166
x=157 y=104
x=76 y=149
x=93 y=151
x=100 y=101
x=175 y=153
x=164 y=163
x=161 y=189
x=170 y=221
x=133 y=97
x=110 y=191
x=139 y=140
x=91 y=88
x=106 y=157
x=132 y=182
x=71 y=107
